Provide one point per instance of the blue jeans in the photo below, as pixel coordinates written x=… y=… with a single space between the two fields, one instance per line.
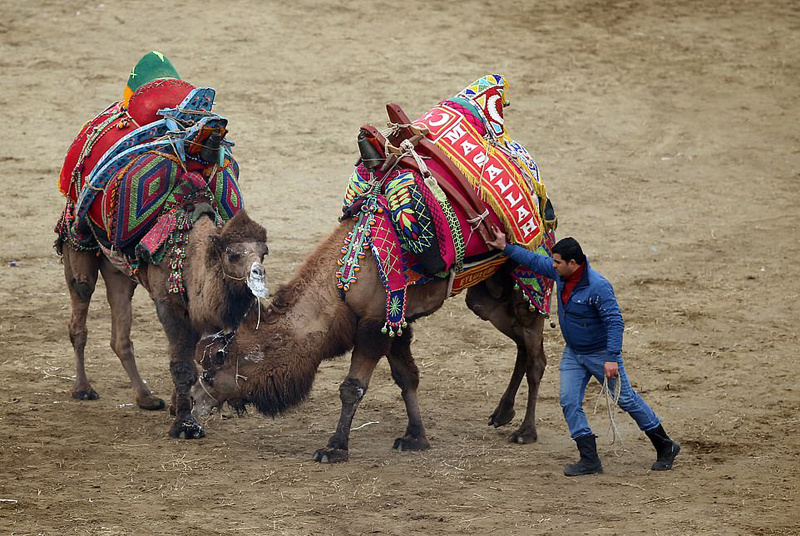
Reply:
x=576 y=371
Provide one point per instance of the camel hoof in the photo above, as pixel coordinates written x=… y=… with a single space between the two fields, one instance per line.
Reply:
x=523 y=437
x=85 y=394
x=412 y=444
x=186 y=429
x=151 y=403
x=501 y=417
x=330 y=455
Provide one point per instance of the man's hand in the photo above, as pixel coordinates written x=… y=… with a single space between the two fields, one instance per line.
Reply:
x=611 y=369
x=499 y=241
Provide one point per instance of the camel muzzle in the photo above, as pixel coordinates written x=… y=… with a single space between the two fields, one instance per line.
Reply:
x=203 y=401
x=257 y=280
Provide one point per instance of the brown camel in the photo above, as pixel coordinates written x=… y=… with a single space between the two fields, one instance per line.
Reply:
x=220 y=266
x=272 y=359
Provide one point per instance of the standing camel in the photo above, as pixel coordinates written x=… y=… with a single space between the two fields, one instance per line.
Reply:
x=152 y=198
x=416 y=212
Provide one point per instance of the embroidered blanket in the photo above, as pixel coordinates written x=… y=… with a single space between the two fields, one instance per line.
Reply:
x=406 y=230
x=109 y=127
x=156 y=183
x=401 y=216
x=138 y=185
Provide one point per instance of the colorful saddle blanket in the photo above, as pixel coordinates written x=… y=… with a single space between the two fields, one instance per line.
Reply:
x=158 y=182
x=137 y=183
x=407 y=230
x=404 y=218
x=109 y=127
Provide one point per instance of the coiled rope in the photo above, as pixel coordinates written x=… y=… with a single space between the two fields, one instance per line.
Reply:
x=612 y=400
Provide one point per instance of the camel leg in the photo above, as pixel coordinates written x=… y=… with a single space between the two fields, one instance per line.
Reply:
x=81 y=271
x=493 y=300
x=182 y=341
x=406 y=376
x=119 y=292
x=531 y=326
x=504 y=412
x=370 y=346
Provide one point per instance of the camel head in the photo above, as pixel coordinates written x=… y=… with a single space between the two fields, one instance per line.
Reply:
x=240 y=246
x=262 y=364
x=220 y=381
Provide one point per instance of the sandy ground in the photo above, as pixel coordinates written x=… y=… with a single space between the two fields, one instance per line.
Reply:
x=668 y=139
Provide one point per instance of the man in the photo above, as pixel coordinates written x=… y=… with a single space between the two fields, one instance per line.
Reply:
x=591 y=324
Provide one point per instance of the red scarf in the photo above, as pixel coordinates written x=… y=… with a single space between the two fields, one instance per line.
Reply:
x=571 y=282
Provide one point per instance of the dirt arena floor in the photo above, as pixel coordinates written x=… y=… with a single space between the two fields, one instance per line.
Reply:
x=667 y=134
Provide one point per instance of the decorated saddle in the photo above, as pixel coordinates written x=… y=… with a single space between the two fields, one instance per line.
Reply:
x=135 y=173
x=425 y=193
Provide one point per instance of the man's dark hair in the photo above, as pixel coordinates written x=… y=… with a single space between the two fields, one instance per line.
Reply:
x=569 y=249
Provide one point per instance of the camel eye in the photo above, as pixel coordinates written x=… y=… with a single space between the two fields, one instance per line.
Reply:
x=233 y=255
x=208 y=377
x=219 y=357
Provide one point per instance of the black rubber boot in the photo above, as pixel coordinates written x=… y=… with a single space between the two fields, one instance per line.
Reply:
x=589 y=464
x=666 y=449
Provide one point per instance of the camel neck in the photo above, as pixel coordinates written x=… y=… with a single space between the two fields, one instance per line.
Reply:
x=309 y=303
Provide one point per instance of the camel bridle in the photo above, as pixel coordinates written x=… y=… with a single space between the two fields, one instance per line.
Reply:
x=203 y=385
x=247 y=256
x=227 y=337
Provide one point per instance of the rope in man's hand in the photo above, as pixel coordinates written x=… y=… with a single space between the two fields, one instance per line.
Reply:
x=612 y=399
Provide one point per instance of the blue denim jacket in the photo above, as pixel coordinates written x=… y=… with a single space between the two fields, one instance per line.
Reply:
x=590 y=320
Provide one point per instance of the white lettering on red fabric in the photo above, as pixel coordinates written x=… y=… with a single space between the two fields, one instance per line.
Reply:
x=462 y=144
x=455 y=133
x=503 y=187
x=493 y=171
x=467 y=147
x=511 y=200
x=436 y=122
x=529 y=228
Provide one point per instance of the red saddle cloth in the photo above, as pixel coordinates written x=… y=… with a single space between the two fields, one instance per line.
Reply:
x=107 y=128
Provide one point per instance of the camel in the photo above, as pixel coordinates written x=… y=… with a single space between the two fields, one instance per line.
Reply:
x=271 y=360
x=221 y=266
x=152 y=198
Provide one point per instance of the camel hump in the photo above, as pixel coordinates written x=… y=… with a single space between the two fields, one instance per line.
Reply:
x=242 y=228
